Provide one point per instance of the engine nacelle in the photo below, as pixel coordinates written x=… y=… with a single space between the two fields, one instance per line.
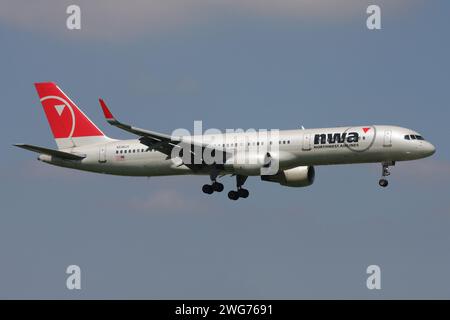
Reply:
x=248 y=164
x=295 y=177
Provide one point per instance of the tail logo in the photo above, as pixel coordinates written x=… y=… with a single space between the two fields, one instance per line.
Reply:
x=60 y=110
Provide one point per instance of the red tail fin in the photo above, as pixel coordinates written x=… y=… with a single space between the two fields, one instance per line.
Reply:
x=66 y=120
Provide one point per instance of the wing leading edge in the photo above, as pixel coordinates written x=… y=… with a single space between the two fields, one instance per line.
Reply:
x=162 y=142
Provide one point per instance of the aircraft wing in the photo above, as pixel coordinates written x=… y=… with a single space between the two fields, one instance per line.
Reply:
x=50 y=152
x=163 y=142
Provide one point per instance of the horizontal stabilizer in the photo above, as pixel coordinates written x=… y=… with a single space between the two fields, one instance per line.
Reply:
x=50 y=152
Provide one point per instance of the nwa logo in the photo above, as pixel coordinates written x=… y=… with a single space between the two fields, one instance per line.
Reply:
x=333 y=138
x=357 y=139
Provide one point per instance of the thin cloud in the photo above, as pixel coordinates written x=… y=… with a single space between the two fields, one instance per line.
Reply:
x=120 y=20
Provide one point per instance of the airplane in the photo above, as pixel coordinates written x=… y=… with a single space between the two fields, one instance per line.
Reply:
x=288 y=157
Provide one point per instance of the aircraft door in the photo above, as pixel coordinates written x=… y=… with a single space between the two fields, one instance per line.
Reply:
x=387 y=138
x=306 y=146
x=102 y=154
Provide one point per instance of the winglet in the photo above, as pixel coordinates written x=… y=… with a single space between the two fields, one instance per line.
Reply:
x=108 y=115
x=140 y=132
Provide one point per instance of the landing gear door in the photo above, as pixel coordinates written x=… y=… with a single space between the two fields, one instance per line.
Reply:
x=306 y=145
x=102 y=154
x=387 y=138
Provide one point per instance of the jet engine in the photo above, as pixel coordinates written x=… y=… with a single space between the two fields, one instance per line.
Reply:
x=249 y=164
x=295 y=177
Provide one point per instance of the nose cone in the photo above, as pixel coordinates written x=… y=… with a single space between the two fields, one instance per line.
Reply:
x=428 y=149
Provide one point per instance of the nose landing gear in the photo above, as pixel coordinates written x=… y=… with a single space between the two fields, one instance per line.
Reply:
x=385 y=172
x=383 y=183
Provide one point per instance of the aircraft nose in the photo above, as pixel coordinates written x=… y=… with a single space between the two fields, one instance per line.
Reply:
x=429 y=149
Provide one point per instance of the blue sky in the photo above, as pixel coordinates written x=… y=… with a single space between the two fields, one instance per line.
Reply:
x=237 y=64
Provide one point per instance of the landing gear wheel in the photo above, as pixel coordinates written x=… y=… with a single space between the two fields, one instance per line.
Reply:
x=217 y=186
x=233 y=195
x=243 y=193
x=207 y=188
x=383 y=183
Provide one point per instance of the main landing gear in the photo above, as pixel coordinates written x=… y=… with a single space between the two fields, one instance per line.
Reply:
x=384 y=173
x=210 y=188
x=241 y=192
x=218 y=187
x=214 y=186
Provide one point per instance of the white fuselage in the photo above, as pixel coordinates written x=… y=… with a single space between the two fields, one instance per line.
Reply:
x=293 y=148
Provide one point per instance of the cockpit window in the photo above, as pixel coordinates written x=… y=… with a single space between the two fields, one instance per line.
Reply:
x=413 y=137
